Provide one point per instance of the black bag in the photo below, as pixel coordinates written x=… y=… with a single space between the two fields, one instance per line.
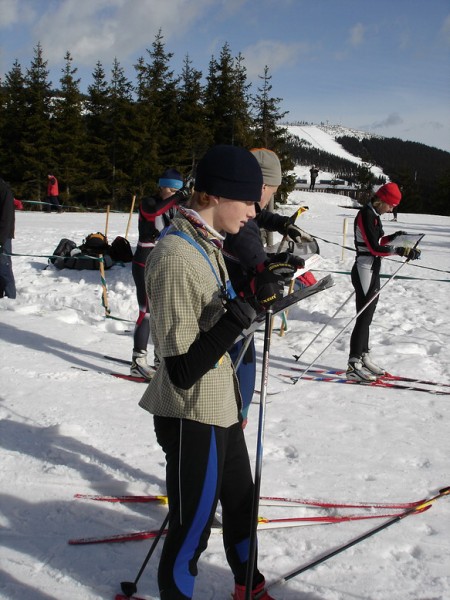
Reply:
x=64 y=248
x=95 y=244
x=120 y=250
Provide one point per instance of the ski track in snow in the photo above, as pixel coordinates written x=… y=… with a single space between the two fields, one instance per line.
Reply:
x=64 y=430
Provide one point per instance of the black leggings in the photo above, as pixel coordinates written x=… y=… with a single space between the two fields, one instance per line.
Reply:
x=204 y=464
x=359 y=340
x=142 y=327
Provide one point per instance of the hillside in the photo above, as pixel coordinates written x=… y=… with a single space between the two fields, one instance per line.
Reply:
x=422 y=172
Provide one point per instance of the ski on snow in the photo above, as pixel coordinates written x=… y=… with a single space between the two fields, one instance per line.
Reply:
x=264 y=501
x=263 y=524
x=386 y=376
x=382 y=383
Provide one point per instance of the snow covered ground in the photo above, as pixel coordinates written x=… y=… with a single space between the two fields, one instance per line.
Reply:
x=65 y=431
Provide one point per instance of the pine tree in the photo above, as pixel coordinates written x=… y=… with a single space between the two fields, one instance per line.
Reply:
x=122 y=127
x=13 y=115
x=192 y=137
x=270 y=134
x=156 y=112
x=97 y=163
x=69 y=135
x=38 y=154
x=226 y=100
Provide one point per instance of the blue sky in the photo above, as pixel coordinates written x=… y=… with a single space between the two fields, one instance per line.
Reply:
x=382 y=66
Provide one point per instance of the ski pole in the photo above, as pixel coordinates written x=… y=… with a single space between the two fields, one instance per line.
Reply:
x=130 y=587
x=129 y=217
x=292 y=219
x=298 y=356
x=422 y=507
x=105 y=301
x=377 y=293
x=242 y=351
x=259 y=455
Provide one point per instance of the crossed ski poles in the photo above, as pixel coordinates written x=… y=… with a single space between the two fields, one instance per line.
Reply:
x=422 y=507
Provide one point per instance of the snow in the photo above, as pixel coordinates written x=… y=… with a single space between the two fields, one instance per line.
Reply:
x=68 y=427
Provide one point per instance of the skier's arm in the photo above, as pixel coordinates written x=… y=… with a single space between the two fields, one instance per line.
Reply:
x=186 y=369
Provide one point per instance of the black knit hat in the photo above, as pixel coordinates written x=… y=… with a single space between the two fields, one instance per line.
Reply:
x=230 y=172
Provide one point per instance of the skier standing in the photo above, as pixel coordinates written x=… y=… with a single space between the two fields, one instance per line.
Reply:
x=194 y=395
x=245 y=255
x=371 y=246
x=155 y=213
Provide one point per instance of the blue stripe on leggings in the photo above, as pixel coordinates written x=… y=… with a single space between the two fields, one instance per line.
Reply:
x=182 y=576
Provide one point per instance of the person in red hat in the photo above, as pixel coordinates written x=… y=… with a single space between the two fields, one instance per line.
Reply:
x=371 y=246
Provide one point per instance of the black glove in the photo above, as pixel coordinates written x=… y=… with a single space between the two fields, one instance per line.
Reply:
x=240 y=312
x=183 y=194
x=294 y=232
x=268 y=288
x=287 y=257
x=399 y=233
x=409 y=253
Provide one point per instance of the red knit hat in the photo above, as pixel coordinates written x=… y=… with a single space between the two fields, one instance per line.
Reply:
x=389 y=193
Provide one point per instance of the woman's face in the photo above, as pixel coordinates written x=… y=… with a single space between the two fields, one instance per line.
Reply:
x=385 y=208
x=231 y=215
x=166 y=192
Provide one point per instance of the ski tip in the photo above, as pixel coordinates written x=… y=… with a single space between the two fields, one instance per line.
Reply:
x=445 y=491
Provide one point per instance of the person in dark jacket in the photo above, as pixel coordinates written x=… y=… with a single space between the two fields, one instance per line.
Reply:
x=155 y=213
x=52 y=194
x=245 y=256
x=314 y=171
x=371 y=246
x=7 y=222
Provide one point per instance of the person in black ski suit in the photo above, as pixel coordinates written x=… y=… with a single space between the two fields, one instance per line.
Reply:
x=314 y=171
x=371 y=246
x=155 y=214
x=7 y=222
x=245 y=256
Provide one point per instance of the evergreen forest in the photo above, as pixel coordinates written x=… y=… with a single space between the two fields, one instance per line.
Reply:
x=114 y=140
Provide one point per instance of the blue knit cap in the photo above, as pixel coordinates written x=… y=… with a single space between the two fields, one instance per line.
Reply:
x=171 y=178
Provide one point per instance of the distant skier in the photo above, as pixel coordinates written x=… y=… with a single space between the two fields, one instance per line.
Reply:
x=371 y=246
x=314 y=171
x=52 y=194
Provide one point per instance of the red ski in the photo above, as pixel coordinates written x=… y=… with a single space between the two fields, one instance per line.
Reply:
x=264 y=501
x=263 y=524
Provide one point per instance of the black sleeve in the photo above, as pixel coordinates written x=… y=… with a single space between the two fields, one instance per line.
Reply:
x=271 y=221
x=247 y=246
x=7 y=216
x=186 y=369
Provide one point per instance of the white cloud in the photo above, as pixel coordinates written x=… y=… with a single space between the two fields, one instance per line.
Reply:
x=357 y=34
x=13 y=12
x=102 y=29
x=445 y=30
x=391 y=120
x=275 y=54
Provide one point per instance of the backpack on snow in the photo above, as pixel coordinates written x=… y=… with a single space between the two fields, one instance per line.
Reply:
x=95 y=244
x=120 y=250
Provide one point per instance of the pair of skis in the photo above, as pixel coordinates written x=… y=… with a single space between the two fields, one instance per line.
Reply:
x=386 y=381
x=263 y=523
